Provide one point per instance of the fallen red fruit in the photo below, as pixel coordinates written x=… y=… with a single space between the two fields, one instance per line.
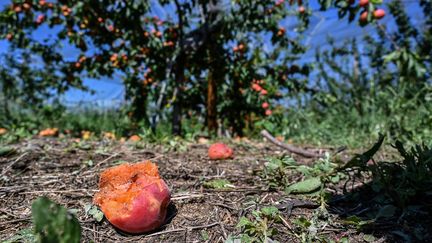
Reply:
x=133 y=197
x=220 y=151
x=379 y=13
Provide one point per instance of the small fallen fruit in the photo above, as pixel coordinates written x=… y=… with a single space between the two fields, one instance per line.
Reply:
x=49 y=132
x=86 y=135
x=134 y=138
x=220 y=151
x=3 y=131
x=133 y=197
x=109 y=136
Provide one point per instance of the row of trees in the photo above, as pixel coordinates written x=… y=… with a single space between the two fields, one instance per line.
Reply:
x=224 y=60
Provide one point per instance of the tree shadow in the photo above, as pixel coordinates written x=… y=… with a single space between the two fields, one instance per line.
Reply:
x=373 y=210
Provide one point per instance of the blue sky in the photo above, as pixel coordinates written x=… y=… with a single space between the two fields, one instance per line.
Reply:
x=323 y=24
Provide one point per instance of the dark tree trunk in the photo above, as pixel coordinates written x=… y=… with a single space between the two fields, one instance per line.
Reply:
x=178 y=92
x=179 y=77
x=139 y=102
x=212 y=125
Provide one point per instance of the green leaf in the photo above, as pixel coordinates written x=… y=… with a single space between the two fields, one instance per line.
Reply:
x=269 y=211
x=243 y=222
x=24 y=235
x=52 y=222
x=376 y=1
x=369 y=238
x=5 y=151
x=217 y=184
x=306 y=186
x=96 y=213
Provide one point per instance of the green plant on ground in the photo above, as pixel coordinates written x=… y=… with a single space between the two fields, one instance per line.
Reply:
x=53 y=223
x=259 y=228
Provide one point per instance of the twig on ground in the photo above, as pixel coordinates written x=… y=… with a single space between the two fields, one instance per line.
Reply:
x=11 y=164
x=291 y=148
x=184 y=229
x=105 y=160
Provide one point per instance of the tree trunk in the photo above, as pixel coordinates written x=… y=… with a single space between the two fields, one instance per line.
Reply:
x=139 y=102
x=178 y=94
x=179 y=77
x=212 y=125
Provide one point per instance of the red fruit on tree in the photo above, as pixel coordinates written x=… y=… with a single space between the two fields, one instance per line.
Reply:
x=256 y=87
x=279 y=3
x=364 y=16
x=302 y=9
x=26 y=6
x=263 y=92
x=9 y=36
x=281 y=31
x=220 y=151
x=17 y=9
x=265 y=105
x=379 y=13
x=40 y=19
x=110 y=28
x=268 y=112
x=363 y=3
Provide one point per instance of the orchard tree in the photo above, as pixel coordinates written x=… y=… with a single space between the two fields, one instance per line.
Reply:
x=224 y=60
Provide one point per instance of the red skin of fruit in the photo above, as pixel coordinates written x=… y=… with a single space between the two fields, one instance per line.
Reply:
x=363 y=3
x=379 y=13
x=265 y=105
x=148 y=210
x=363 y=16
x=268 y=112
x=302 y=9
x=256 y=87
x=133 y=197
x=220 y=151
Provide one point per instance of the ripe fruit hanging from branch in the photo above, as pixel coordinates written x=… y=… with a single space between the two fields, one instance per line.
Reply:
x=363 y=3
x=379 y=14
x=364 y=17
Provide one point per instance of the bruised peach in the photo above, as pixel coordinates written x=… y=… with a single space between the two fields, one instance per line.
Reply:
x=133 y=197
x=220 y=151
